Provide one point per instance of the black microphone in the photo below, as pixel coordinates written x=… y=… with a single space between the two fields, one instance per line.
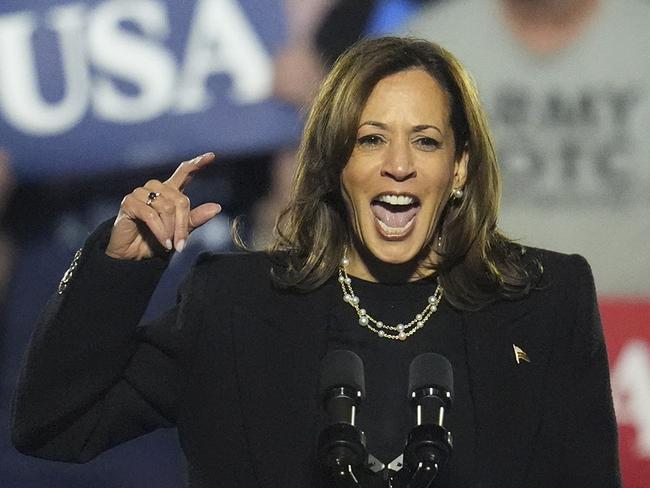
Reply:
x=341 y=445
x=429 y=444
x=431 y=386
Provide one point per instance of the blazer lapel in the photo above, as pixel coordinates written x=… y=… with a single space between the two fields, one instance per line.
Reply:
x=507 y=394
x=278 y=367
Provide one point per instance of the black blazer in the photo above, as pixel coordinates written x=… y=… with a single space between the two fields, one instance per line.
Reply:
x=235 y=366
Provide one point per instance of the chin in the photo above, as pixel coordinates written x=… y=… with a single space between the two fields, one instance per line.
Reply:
x=397 y=251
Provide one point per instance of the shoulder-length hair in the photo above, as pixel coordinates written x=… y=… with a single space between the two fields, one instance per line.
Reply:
x=476 y=263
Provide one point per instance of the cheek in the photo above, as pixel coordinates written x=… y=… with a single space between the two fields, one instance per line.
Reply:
x=439 y=190
x=441 y=180
x=350 y=186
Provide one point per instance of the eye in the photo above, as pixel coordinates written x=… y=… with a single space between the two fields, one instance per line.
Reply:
x=428 y=143
x=371 y=140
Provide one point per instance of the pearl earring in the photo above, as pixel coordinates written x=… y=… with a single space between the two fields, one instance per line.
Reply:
x=457 y=193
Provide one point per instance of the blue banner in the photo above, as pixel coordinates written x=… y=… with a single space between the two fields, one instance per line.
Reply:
x=92 y=86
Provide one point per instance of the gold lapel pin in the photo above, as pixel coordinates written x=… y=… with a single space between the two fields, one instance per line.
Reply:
x=520 y=354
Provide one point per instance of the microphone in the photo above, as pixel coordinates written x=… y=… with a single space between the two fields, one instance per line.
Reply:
x=342 y=445
x=431 y=386
x=429 y=444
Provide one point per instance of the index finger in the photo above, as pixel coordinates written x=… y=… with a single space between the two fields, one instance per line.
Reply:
x=186 y=169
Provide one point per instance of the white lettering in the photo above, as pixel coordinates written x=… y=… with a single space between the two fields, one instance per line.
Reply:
x=631 y=389
x=132 y=57
x=222 y=40
x=136 y=77
x=20 y=95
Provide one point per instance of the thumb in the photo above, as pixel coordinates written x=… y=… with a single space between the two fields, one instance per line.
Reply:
x=201 y=214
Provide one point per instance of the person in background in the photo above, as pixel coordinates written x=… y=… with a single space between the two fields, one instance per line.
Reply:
x=566 y=85
x=298 y=70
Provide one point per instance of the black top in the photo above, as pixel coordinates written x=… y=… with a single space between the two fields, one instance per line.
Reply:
x=386 y=415
x=236 y=366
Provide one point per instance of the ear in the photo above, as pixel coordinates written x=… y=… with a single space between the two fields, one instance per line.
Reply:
x=460 y=170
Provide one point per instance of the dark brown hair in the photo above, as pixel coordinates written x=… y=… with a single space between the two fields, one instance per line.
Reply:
x=476 y=264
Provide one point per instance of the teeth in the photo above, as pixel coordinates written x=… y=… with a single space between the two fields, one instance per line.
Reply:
x=396 y=199
x=395 y=231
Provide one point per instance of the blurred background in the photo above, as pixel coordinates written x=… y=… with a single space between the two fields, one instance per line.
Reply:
x=97 y=97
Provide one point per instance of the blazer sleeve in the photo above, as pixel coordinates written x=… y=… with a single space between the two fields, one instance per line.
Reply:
x=591 y=447
x=92 y=377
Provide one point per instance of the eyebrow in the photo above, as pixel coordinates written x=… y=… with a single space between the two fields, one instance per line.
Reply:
x=381 y=125
x=417 y=128
x=420 y=128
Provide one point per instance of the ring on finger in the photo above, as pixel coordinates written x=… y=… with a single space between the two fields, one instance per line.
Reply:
x=152 y=197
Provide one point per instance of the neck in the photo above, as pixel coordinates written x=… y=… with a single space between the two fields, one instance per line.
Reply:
x=366 y=266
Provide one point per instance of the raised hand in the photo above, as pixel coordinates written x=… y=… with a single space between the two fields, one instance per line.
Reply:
x=157 y=217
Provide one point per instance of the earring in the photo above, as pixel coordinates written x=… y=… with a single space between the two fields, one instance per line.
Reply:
x=345 y=261
x=457 y=193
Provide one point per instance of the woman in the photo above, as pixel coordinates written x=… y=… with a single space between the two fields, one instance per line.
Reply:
x=392 y=226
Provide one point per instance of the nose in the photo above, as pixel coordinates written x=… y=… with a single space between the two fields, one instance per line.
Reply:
x=398 y=162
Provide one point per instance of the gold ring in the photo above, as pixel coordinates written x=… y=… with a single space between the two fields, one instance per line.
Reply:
x=151 y=197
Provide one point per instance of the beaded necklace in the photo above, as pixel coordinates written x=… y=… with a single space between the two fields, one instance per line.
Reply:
x=396 y=332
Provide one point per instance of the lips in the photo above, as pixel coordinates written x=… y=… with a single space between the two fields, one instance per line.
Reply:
x=395 y=214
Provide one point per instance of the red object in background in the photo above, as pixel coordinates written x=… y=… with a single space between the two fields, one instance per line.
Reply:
x=627 y=332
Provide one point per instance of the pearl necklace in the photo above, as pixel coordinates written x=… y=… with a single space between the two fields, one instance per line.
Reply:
x=397 y=332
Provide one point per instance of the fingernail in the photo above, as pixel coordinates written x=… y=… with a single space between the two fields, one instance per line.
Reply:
x=168 y=244
x=197 y=159
x=180 y=245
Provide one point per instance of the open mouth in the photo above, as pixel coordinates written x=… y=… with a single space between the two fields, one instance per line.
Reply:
x=395 y=214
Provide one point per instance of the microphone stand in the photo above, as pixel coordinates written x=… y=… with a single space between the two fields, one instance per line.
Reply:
x=427 y=450
x=342 y=451
x=344 y=477
x=428 y=444
x=341 y=447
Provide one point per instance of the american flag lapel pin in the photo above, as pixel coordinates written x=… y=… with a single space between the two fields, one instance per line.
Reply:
x=520 y=354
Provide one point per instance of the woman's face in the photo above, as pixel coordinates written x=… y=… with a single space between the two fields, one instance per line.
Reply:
x=401 y=170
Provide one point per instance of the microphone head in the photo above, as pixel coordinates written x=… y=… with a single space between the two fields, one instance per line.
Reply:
x=428 y=370
x=342 y=368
